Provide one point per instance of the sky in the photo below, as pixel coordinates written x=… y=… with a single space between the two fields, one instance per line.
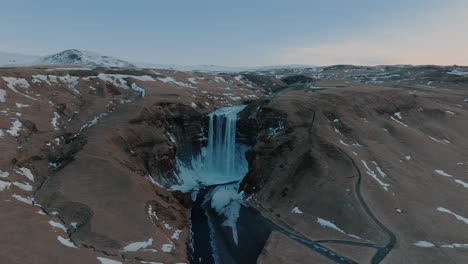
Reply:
x=241 y=32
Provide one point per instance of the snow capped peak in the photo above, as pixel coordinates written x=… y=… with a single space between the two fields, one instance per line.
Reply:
x=80 y=57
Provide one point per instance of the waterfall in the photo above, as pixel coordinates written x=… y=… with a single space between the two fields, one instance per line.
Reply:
x=221 y=150
x=222 y=160
x=213 y=178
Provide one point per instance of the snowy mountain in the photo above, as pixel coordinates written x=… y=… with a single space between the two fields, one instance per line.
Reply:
x=79 y=57
x=16 y=59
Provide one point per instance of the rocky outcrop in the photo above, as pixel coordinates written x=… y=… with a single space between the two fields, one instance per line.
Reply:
x=160 y=133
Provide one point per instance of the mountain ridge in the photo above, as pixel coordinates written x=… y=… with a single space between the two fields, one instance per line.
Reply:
x=81 y=57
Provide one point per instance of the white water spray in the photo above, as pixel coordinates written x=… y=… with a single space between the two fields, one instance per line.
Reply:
x=221 y=150
x=222 y=161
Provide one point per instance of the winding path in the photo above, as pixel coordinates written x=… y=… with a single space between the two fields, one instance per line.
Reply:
x=382 y=250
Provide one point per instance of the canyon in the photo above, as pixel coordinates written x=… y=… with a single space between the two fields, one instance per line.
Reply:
x=340 y=164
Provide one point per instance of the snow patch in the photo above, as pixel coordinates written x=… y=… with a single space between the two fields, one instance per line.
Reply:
x=26 y=200
x=176 y=234
x=72 y=82
x=457 y=72
x=443 y=173
x=343 y=143
x=326 y=223
x=424 y=244
x=2 y=95
x=57 y=225
x=398 y=114
x=40 y=78
x=399 y=122
x=373 y=175
x=462 y=183
x=55 y=120
x=4 y=185
x=12 y=81
x=41 y=212
x=4 y=174
x=173 y=81
x=137 y=246
x=139 y=89
x=239 y=78
x=108 y=261
x=119 y=80
x=25 y=172
x=66 y=242
x=338 y=131
x=21 y=82
x=18 y=105
x=53 y=78
x=455 y=245
x=443 y=141
x=151 y=213
x=459 y=217
x=220 y=79
x=379 y=170
x=167 y=248
x=15 y=128
x=296 y=210
x=24 y=186
x=91 y=122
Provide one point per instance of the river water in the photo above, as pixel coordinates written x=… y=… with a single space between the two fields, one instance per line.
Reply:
x=213 y=178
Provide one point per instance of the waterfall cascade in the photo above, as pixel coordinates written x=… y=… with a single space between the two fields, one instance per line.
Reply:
x=222 y=153
x=213 y=177
x=222 y=161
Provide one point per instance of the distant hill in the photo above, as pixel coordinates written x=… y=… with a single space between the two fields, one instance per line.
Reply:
x=80 y=57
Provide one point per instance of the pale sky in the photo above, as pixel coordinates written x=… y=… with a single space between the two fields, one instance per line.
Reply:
x=241 y=32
